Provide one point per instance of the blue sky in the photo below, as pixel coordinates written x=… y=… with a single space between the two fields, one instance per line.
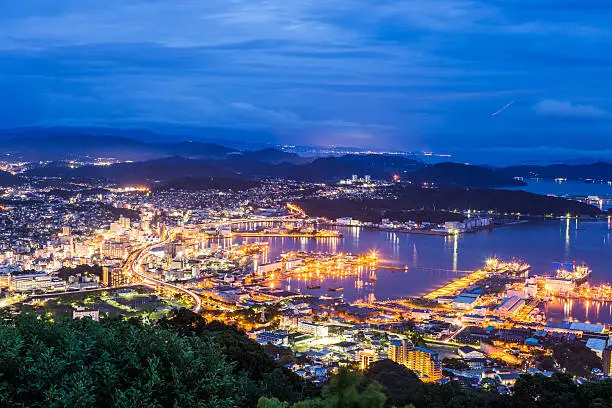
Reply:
x=406 y=74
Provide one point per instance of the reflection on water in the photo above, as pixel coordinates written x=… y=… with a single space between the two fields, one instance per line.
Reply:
x=558 y=310
x=538 y=243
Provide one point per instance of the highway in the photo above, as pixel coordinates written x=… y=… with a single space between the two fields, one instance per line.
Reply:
x=134 y=263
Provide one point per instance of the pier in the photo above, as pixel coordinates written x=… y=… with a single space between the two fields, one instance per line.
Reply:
x=457 y=285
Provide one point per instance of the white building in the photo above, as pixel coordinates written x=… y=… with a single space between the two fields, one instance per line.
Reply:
x=313 y=329
x=81 y=312
x=36 y=282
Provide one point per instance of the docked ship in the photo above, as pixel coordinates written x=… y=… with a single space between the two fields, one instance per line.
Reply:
x=513 y=267
x=570 y=271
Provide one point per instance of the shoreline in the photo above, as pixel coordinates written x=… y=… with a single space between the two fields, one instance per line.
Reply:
x=434 y=232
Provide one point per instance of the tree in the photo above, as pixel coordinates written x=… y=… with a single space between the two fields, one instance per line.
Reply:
x=416 y=339
x=108 y=363
x=262 y=375
x=455 y=364
x=397 y=382
x=539 y=391
x=343 y=391
x=576 y=358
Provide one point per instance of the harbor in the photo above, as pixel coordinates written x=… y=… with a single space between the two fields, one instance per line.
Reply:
x=415 y=265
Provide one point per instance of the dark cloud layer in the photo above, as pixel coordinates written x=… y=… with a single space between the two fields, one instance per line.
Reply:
x=407 y=74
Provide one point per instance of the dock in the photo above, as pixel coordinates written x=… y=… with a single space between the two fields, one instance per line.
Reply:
x=457 y=285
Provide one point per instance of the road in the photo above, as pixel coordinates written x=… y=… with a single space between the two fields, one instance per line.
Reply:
x=134 y=264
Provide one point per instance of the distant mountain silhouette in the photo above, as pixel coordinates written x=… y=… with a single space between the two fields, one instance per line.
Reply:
x=462 y=175
x=249 y=166
x=208 y=183
x=81 y=146
x=9 y=180
x=272 y=156
x=595 y=171
x=149 y=172
x=336 y=168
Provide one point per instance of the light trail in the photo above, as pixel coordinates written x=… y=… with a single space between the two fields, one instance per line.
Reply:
x=506 y=106
x=136 y=263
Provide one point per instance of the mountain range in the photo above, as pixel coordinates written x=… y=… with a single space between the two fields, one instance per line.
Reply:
x=164 y=161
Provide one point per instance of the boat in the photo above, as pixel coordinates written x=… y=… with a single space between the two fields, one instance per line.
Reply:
x=336 y=289
x=313 y=287
x=578 y=274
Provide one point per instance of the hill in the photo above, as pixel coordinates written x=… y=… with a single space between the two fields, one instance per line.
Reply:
x=270 y=155
x=79 y=146
x=209 y=183
x=425 y=204
x=183 y=361
x=146 y=172
x=251 y=165
x=335 y=168
x=9 y=180
x=462 y=175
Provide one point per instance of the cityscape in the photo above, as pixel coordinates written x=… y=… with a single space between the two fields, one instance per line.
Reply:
x=287 y=205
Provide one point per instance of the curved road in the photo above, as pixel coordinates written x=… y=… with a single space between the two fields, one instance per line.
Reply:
x=135 y=262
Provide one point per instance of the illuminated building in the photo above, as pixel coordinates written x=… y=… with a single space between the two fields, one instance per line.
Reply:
x=510 y=306
x=124 y=222
x=313 y=329
x=113 y=276
x=607 y=361
x=366 y=358
x=398 y=350
x=32 y=282
x=116 y=250
x=81 y=312
x=270 y=267
x=425 y=363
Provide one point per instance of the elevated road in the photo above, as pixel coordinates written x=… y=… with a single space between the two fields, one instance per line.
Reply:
x=134 y=265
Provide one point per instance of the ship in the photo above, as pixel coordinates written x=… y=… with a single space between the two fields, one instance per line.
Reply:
x=513 y=267
x=313 y=287
x=336 y=289
x=572 y=272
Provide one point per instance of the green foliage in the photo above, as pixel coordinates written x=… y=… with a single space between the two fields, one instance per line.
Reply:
x=455 y=364
x=345 y=390
x=342 y=392
x=539 y=391
x=576 y=358
x=74 y=363
x=397 y=382
x=261 y=375
x=416 y=339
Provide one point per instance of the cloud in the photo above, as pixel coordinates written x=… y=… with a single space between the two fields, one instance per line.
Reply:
x=566 y=109
x=356 y=69
x=282 y=119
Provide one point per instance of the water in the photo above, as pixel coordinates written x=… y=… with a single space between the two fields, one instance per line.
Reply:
x=558 y=310
x=539 y=243
x=569 y=189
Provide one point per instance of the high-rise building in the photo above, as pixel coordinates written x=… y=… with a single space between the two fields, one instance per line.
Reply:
x=425 y=363
x=366 y=358
x=113 y=276
x=124 y=222
x=113 y=249
x=398 y=350
x=607 y=361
